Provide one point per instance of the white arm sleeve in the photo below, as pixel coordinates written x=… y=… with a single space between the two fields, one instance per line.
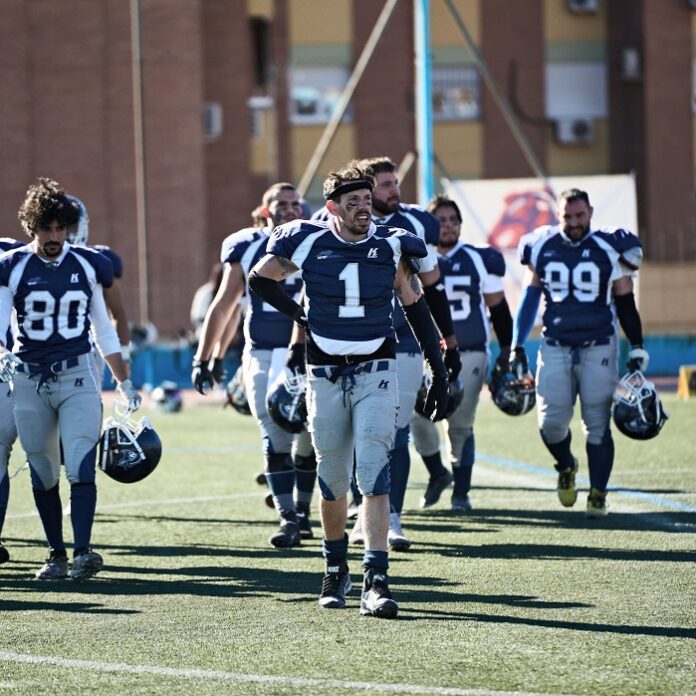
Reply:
x=102 y=328
x=6 y=306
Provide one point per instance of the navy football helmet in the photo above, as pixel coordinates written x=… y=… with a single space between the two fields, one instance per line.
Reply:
x=236 y=394
x=638 y=411
x=456 y=394
x=513 y=389
x=167 y=397
x=286 y=401
x=128 y=451
x=79 y=234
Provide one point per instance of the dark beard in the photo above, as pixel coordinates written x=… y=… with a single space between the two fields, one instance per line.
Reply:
x=447 y=245
x=383 y=208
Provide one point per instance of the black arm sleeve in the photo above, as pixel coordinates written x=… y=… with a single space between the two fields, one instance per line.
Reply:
x=439 y=307
x=629 y=318
x=421 y=322
x=270 y=291
x=502 y=323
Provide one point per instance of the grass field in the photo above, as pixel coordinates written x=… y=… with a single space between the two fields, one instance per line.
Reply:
x=519 y=596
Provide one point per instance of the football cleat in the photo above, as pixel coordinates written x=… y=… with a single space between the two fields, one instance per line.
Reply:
x=85 y=566
x=335 y=586
x=435 y=488
x=55 y=567
x=565 y=487
x=4 y=554
x=461 y=503
x=376 y=599
x=596 y=504
x=396 y=538
x=305 y=526
x=287 y=535
x=638 y=411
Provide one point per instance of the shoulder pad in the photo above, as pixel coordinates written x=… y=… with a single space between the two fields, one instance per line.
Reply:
x=286 y=238
x=430 y=222
x=411 y=245
x=102 y=264
x=115 y=259
x=321 y=215
x=7 y=243
x=527 y=242
x=234 y=246
x=626 y=244
x=493 y=260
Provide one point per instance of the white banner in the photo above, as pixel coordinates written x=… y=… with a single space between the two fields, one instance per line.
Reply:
x=499 y=211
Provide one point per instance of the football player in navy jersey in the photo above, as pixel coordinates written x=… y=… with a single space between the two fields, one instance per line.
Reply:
x=8 y=429
x=78 y=235
x=351 y=269
x=387 y=209
x=586 y=277
x=473 y=280
x=265 y=330
x=56 y=292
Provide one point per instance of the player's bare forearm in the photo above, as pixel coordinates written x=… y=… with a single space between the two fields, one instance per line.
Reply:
x=228 y=333
x=407 y=287
x=114 y=303
x=275 y=267
x=117 y=366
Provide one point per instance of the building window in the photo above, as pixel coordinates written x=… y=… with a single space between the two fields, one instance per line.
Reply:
x=456 y=93
x=576 y=89
x=314 y=93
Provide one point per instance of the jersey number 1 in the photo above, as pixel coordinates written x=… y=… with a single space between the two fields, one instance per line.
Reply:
x=352 y=309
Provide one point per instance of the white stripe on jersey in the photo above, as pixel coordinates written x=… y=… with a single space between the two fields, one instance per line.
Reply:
x=248 y=255
x=429 y=263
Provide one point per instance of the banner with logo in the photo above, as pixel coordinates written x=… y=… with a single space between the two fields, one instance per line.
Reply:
x=500 y=211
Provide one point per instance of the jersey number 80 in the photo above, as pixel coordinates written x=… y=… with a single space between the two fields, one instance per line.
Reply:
x=44 y=315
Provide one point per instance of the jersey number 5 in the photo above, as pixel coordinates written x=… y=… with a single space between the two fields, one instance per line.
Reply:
x=45 y=316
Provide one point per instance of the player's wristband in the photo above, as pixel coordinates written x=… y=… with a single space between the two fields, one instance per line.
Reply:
x=439 y=307
x=126 y=352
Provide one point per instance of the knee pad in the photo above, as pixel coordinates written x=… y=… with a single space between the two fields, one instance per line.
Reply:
x=278 y=462
x=553 y=433
x=306 y=463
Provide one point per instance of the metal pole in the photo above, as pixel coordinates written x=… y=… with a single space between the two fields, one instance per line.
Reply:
x=344 y=99
x=424 y=102
x=139 y=141
x=499 y=99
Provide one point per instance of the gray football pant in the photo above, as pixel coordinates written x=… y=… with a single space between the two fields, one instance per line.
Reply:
x=409 y=375
x=66 y=409
x=563 y=374
x=356 y=412
x=460 y=424
x=255 y=366
x=8 y=429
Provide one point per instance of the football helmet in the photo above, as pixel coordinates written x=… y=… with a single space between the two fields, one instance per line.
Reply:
x=456 y=394
x=79 y=234
x=513 y=389
x=638 y=411
x=167 y=397
x=286 y=401
x=236 y=394
x=129 y=451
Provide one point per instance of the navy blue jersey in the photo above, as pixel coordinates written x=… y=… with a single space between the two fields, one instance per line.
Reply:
x=264 y=326
x=468 y=273
x=115 y=259
x=6 y=244
x=52 y=300
x=577 y=279
x=349 y=286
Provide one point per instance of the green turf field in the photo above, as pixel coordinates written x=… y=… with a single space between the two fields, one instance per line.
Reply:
x=519 y=596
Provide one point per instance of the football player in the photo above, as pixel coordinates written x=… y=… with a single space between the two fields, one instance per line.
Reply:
x=351 y=269
x=56 y=292
x=8 y=429
x=473 y=280
x=586 y=278
x=387 y=209
x=265 y=330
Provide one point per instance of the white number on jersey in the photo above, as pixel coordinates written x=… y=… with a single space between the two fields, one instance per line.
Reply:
x=583 y=283
x=352 y=309
x=459 y=299
x=42 y=318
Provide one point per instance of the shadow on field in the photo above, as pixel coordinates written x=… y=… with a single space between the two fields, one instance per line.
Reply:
x=670 y=522
x=73 y=607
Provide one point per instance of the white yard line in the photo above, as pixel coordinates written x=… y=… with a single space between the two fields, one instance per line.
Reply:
x=217 y=675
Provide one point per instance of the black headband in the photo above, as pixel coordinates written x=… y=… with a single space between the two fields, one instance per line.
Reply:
x=347 y=187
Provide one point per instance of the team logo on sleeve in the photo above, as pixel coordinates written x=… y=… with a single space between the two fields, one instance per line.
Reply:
x=372 y=253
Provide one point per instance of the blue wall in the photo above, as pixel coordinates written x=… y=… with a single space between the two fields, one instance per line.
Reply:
x=154 y=365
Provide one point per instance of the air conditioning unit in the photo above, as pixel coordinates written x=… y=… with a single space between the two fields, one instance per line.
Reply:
x=212 y=120
x=574 y=131
x=583 y=6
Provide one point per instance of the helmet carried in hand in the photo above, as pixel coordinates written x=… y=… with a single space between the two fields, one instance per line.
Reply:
x=638 y=411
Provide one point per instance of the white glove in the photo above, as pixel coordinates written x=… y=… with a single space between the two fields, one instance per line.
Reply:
x=130 y=394
x=638 y=360
x=8 y=365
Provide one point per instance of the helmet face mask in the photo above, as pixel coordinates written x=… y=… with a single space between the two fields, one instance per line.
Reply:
x=128 y=451
x=513 y=391
x=79 y=234
x=167 y=397
x=236 y=394
x=286 y=401
x=638 y=411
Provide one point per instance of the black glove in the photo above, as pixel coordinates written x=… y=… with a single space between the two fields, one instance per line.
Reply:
x=300 y=318
x=201 y=376
x=297 y=359
x=503 y=360
x=219 y=373
x=437 y=396
x=519 y=361
x=453 y=363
